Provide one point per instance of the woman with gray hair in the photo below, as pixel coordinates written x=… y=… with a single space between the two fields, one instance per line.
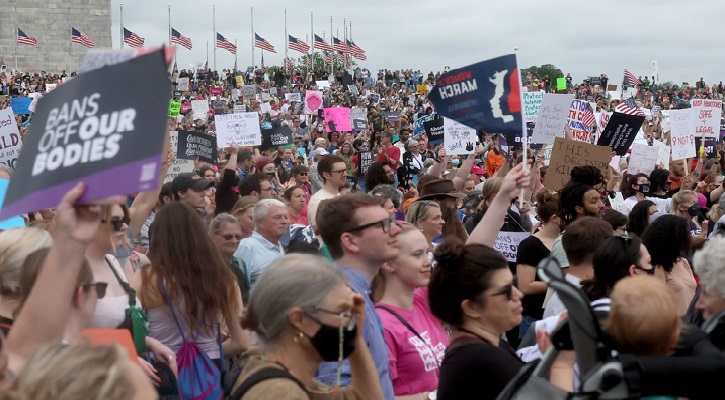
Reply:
x=413 y=162
x=315 y=320
x=710 y=299
x=393 y=199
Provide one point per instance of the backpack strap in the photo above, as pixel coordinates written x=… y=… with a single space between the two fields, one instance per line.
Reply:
x=409 y=327
x=260 y=376
x=126 y=287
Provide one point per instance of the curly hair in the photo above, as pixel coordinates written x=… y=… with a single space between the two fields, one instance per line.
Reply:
x=667 y=238
x=376 y=175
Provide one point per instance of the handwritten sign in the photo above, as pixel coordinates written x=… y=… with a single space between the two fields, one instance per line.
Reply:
x=568 y=154
x=10 y=142
x=179 y=166
x=507 y=243
x=643 y=159
x=575 y=121
x=183 y=84
x=663 y=154
x=200 y=108
x=682 y=134
x=293 y=97
x=458 y=138
x=552 y=118
x=337 y=119
x=240 y=129
x=240 y=108
x=174 y=108
x=706 y=117
x=249 y=92
x=532 y=105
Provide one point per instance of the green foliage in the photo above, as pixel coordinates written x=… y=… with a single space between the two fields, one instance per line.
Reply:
x=542 y=71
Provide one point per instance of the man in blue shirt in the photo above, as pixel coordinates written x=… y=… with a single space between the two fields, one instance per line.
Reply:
x=360 y=235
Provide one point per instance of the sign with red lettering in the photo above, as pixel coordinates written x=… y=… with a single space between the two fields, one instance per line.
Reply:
x=682 y=134
x=575 y=121
x=706 y=117
x=10 y=142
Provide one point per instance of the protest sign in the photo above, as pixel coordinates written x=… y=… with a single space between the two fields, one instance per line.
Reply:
x=602 y=121
x=20 y=105
x=620 y=132
x=200 y=108
x=240 y=108
x=552 y=118
x=706 y=117
x=483 y=96
x=337 y=119
x=96 y=130
x=215 y=90
x=249 y=92
x=575 y=121
x=709 y=146
x=12 y=222
x=273 y=91
x=418 y=126
x=179 y=166
x=421 y=89
x=507 y=243
x=324 y=85
x=10 y=142
x=313 y=101
x=185 y=107
x=353 y=90
x=98 y=58
x=240 y=129
x=174 y=108
x=391 y=116
x=643 y=159
x=34 y=103
x=277 y=136
x=183 y=84
x=358 y=118
x=458 y=138
x=366 y=159
x=195 y=144
x=265 y=107
x=293 y=97
x=264 y=96
x=682 y=137
x=568 y=154
x=532 y=105
x=434 y=130
x=663 y=154
x=239 y=80
x=547 y=149
x=560 y=83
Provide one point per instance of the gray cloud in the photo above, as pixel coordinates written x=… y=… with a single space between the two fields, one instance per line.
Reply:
x=582 y=38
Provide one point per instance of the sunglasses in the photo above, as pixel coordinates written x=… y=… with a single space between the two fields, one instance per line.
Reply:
x=230 y=237
x=303 y=174
x=117 y=223
x=631 y=248
x=507 y=291
x=100 y=288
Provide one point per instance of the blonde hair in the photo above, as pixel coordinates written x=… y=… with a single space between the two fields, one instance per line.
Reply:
x=15 y=245
x=99 y=372
x=679 y=198
x=644 y=316
x=489 y=191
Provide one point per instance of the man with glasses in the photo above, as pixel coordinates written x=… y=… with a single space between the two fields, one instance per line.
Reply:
x=333 y=171
x=257 y=185
x=360 y=236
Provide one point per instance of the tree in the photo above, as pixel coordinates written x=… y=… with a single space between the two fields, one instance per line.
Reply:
x=542 y=71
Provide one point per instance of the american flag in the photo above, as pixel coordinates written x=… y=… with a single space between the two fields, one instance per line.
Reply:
x=339 y=45
x=356 y=51
x=298 y=45
x=328 y=58
x=309 y=61
x=288 y=64
x=320 y=44
x=629 y=107
x=630 y=79
x=80 y=37
x=178 y=38
x=25 y=39
x=223 y=43
x=588 y=118
x=355 y=47
x=263 y=44
x=132 y=39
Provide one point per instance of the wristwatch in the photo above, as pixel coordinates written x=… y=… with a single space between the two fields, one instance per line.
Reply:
x=432 y=396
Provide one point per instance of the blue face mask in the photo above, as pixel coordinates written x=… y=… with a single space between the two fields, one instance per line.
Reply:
x=456 y=162
x=363 y=148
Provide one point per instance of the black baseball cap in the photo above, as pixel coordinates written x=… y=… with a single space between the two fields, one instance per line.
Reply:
x=191 y=181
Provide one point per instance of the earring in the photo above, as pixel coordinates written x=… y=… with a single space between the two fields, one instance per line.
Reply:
x=300 y=335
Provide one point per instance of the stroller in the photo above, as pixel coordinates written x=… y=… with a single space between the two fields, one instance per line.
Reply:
x=601 y=374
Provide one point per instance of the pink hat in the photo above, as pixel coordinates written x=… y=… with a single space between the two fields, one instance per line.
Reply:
x=702 y=200
x=261 y=162
x=475 y=169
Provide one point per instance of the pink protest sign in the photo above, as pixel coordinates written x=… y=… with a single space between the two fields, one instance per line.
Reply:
x=185 y=107
x=337 y=119
x=215 y=90
x=313 y=101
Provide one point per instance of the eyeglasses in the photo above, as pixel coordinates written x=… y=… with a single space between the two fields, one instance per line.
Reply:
x=507 y=291
x=100 y=288
x=343 y=316
x=117 y=223
x=385 y=224
x=339 y=171
x=303 y=174
x=230 y=237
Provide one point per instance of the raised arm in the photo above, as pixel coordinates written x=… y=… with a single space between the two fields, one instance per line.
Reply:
x=460 y=179
x=145 y=202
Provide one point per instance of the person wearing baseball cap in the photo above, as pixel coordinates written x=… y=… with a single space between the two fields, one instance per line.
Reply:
x=191 y=189
x=477 y=174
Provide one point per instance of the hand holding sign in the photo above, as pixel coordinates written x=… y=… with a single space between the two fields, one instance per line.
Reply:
x=76 y=222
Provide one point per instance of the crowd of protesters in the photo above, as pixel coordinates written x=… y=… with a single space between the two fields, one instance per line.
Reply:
x=305 y=272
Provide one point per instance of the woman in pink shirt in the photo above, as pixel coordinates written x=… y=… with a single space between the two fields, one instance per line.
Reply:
x=415 y=338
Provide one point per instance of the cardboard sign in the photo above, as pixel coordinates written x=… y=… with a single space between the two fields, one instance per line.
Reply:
x=643 y=159
x=483 y=96
x=532 y=105
x=21 y=105
x=277 y=136
x=507 y=243
x=194 y=144
x=200 y=108
x=421 y=89
x=366 y=159
x=240 y=129
x=434 y=131
x=575 y=121
x=706 y=117
x=96 y=130
x=560 y=83
x=10 y=141
x=183 y=84
x=568 y=154
x=552 y=118
x=179 y=166
x=418 y=126
x=174 y=108
x=663 y=154
x=324 y=85
x=681 y=134
x=265 y=107
x=293 y=97
x=313 y=101
x=620 y=132
x=353 y=90
x=273 y=91
x=249 y=92
x=337 y=119
x=458 y=138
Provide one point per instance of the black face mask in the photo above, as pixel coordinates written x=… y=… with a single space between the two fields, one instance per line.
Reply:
x=694 y=210
x=327 y=340
x=643 y=188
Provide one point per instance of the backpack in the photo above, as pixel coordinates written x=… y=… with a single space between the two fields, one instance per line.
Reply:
x=199 y=378
x=259 y=376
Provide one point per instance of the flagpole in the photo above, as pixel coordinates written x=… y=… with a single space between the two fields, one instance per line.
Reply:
x=120 y=39
x=207 y=54
x=252 y=12
x=235 y=56
x=213 y=19
x=70 y=45
x=332 y=56
x=16 y=36
x=311 y=62
x=170 y=31
x=524 y=138
x=286 y=41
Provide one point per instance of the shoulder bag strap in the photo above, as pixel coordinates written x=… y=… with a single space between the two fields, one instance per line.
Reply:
x=126 y=287
x=410 y=328
x=263 y=375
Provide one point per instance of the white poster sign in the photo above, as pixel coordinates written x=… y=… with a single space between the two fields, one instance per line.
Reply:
x=507 y=243
x=238 y=129
x=552 y=118
x=183 y=84
x=681 y=134
x=706 y=117
x=200 y=108
x=458 y=138
x=293 y=97
x=663 y=155
x=643 y=159
x=10 y=141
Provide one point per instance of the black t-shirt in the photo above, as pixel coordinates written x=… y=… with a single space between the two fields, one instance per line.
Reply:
x=475 y=369
x=531 y=252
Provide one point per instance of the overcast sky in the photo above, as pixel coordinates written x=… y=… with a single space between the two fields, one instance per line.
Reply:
x=580 y=37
